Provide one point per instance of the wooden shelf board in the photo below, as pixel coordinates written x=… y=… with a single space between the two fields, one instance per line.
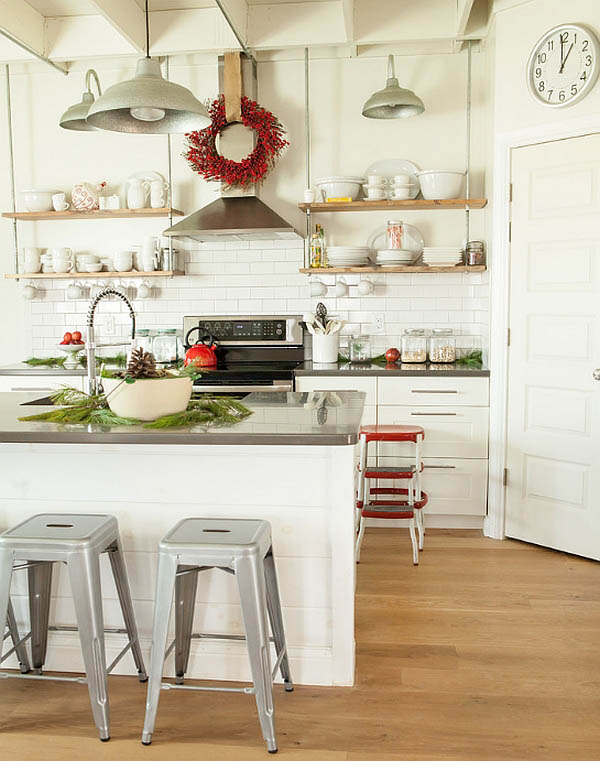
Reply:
x=417 y=204
x=39 y=216
x=91 y=275
x=407 y=269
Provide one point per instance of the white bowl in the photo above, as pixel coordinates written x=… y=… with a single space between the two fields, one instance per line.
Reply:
x=93 y=267
x=340 y=187
x=38 y=200
x=149 y=398
x=440 y=184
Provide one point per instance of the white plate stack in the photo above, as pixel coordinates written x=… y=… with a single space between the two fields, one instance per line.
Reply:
x=443 y=256
x=394 y=257
x=347 y=256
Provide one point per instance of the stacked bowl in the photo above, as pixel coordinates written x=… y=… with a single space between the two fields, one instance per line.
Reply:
x=393 y=257
x=443 y=256
x=347 y=256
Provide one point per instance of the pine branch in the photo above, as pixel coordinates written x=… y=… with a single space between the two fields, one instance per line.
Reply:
x=207 y=411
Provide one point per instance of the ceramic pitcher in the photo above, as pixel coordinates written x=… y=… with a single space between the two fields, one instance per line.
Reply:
x=137 y=193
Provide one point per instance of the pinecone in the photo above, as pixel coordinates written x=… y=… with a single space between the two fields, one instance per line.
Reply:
x=142 y=365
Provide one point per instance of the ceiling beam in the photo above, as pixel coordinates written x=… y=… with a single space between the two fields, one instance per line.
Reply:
x=348 y=13
x=127 y=18
x=463 y=11
x=23 y=30
x=236 y=15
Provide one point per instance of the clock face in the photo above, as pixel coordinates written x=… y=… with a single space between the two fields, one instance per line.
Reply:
x=563 y=66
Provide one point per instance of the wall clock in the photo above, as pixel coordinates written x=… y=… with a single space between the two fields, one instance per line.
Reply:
x=563 y=66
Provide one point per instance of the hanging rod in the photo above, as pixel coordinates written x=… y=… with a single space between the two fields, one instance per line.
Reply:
x=31 y=51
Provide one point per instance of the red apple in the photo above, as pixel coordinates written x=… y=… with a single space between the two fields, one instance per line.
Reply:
x=67 y=338
x=76 y=336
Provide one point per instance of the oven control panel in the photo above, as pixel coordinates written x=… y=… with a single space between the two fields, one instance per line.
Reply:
x=248 y=330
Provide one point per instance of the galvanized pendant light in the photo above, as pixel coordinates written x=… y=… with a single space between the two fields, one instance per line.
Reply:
x=148 y=104
x=393 y=102
x=75 y=117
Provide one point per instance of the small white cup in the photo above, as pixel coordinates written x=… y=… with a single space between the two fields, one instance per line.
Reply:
x=376 y=179
x=62 y=259
x=74 y=291
x=400 y=194
x=401 y=179
x=309 y=195
x=123 y=261
x=29 y=292
x=59 y=202
x=96 y=290
x=376 y=193
x=365 y=288
x=317 y=288
x=341 y=288
x=144 y=290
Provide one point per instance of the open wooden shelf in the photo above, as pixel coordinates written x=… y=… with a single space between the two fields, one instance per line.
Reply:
x=406 y=269
x=91 y=275
x=417 y=204
x=39 y=216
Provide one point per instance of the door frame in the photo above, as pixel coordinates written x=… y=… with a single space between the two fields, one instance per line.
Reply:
x=499 y=266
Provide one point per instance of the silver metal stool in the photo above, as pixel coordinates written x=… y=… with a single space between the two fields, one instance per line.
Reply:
x=78 y=541
x=238 y=546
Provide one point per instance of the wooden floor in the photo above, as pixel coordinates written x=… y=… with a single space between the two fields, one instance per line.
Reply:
x=488 y=651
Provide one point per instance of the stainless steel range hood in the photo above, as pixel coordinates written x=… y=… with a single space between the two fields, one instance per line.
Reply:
x=233 y=218
x=238 y=214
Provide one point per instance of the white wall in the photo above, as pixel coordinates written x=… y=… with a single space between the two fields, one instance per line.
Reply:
x=265 y=278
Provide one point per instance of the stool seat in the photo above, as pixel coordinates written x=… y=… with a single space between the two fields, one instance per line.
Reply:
x=392 y=432
x=418 y=504
x=60 y=531
x=376 y=511
x=230 y=537
x=383 y=471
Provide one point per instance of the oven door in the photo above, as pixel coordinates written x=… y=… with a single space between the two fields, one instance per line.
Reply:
x=241 y=390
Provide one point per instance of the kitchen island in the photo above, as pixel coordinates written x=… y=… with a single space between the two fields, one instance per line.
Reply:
x=291 y=463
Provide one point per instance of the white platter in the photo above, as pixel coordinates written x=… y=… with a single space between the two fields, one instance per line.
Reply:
x=388 y=168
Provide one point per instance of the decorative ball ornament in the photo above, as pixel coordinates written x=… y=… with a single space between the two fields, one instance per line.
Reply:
x=201 y=149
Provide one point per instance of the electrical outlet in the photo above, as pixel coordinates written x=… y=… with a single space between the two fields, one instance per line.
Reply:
x=109 y=325
x=378 y=323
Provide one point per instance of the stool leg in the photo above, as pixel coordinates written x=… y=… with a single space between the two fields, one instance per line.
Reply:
x=420 y=528
x=185 y=601
x=361 y=525
x=119 y=571
x=165 y=586
x=274 y=608
x=251 y=583
x=39 y=579
x=20 y=649
x=413 y=539
x=6 y=565
x=84 y=573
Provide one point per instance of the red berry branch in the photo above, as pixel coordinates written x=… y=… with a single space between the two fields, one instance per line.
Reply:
x=201 y=149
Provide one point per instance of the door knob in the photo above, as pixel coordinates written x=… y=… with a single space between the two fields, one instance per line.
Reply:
x=596 y=374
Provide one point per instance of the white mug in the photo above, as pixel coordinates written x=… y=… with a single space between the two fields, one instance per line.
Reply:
x=137 y=193
x=74 y=291
x=376 y=179
x=46 y=260
x=123 y=261
x=32 y=259
x=365 y=288
x=144 y=290
x=317 y=288
x=400 y=194
x=148 y=261
x=341 y=288
x=96 y=290
x=158 y=194
x=376 y=193
x=29 y=292
x=62 y=259
x=59 y=201
x=401 y=179
x=309 y=195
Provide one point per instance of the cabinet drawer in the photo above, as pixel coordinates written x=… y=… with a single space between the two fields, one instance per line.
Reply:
x=454 y=487
x=334 y=383
x=449 y=431
x=434 y=391
x=44 y=384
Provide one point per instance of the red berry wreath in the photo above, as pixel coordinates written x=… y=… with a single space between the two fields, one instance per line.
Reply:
x=202 y=155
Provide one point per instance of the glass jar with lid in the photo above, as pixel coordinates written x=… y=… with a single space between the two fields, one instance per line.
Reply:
x=142 y=340
x=360 y=349
x=414 y=345
x=164 y=346
x=442 y=345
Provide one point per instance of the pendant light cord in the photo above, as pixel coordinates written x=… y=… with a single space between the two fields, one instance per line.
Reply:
x=147 y=32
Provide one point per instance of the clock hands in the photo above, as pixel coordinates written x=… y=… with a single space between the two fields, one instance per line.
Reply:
x=562 y=66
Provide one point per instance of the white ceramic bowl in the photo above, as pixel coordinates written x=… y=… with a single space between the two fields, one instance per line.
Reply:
x=340 y=187
x=440 y=184
x=147 y=399
x=38 y=200
x=93 y=267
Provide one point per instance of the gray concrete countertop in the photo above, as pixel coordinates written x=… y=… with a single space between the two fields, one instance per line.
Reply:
x=313 y=419
x=399 y=370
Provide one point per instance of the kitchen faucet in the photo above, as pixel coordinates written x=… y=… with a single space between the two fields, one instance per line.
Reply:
x=91 y=346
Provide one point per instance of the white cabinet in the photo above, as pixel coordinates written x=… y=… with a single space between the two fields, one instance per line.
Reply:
x=44 y=384
x=422 y=391
x=351 y=383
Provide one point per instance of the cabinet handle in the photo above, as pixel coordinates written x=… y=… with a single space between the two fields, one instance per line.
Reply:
x=442 y=467
x=427 y=391
x=434 y=414
x=23 y=388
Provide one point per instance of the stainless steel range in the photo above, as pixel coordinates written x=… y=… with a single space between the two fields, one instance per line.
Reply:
x=254 y=352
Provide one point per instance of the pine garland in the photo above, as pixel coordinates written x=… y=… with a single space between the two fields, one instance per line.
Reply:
x=79 y=408
x=119 y=360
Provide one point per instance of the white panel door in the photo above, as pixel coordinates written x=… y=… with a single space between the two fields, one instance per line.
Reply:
x=553 y=456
